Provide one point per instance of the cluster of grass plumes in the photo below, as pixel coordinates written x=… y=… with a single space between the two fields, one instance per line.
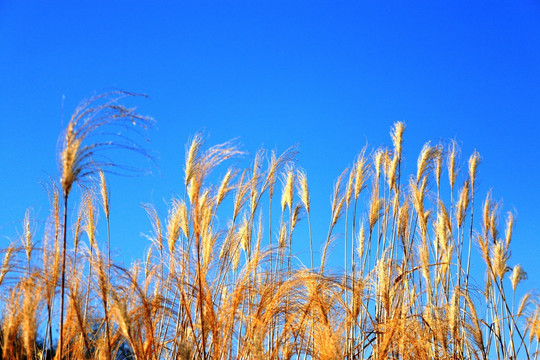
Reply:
x=217 y=281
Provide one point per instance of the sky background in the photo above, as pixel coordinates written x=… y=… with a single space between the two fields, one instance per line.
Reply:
x=330 y=76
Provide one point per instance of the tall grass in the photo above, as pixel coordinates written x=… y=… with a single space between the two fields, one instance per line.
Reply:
x=218 y=280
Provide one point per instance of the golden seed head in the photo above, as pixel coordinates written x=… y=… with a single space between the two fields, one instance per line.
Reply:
x=90 y=218
x=509 y=228
x=518 y=274
x=27 y=238
x=499 y=258
x=192 y=158
x=463 y=204
x=303 y=190
x=361 y=168
x=442 y=229
x=453 y=312
x=78 y=224
x=224 y=187
x=76 y=159
x=474 y=160
x=403 y=219
x=243 y=235
x=104 y=193
x=376 y=205
x=361 y=240
x=438 y=166
x=282 y=237
x=174 y=224
x=397 y=137
x=451 y=163
x=378 y=159
x=350 y=186
x=425 y=160
x=288 y=188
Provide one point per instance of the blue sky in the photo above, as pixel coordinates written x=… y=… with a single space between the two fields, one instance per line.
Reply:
x=330 y=76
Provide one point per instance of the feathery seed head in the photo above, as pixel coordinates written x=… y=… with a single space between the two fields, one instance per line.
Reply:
x=338 y=211
x=224 y=187
x=242 y=189
x=282 y=237
x=376 y=205
x=499 y=258
x=235 y=257
x=68 y=158
x=193 y=189
x=438 y=165
x=386 y=166
x=535 y=325
x=104 y=193
x=392 y=174
x=337 y=199
x=192 y=158
x=361 y=239
x=395 y=204
x=418 y=194
x=453 y=312
x=199 y=166
x=288 y=188
x=509 y=228
x=174 y=224
x=303 y=190
x=361 y=168
x=350 y=187
x=474 y=160
x=425 y=160
x=424 y=260
x=451 y=163
x=90 y=119
x=442 y=229
x=403 y=219
x=255 y=179
x=488 y=207
x=490 y=218
x=78 y=224
x=463 y=204
x=525 y=300
x=271 y=177
x=6 y=264
x=296 y=216
x=184 y=221
x=378 y=160
x=518 y=274
x=484 y=249
x=90 y=218
x=397 y=137
x=243 y=235
x=27 y=238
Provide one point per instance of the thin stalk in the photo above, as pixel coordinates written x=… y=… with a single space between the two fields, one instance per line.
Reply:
x=62 y=289
x=106 y=293
x=310 y=239
x=200 y=299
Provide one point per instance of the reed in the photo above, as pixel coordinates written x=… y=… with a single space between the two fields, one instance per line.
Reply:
x=213 y=283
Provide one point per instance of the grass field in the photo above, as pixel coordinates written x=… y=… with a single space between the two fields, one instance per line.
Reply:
x=218 y=281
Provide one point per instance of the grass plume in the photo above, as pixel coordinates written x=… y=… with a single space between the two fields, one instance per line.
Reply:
x=214 y=283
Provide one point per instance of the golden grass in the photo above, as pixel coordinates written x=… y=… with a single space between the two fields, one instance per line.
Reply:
x=217 y=285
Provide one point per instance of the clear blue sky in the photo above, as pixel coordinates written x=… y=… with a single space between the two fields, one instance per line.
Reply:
x=328 y=75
